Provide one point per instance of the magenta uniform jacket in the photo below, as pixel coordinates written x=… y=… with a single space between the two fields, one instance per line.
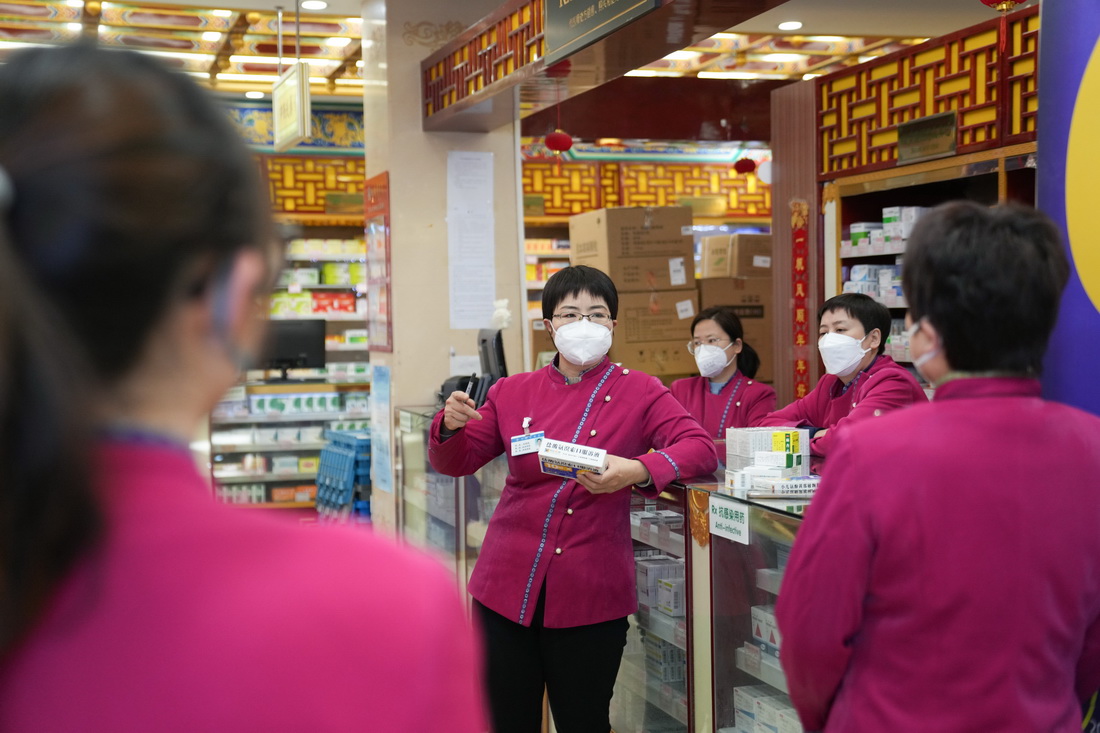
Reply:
x=882 y=387
x=195 y=616
x=742 y=402
x=551 y=530
x=947 y=575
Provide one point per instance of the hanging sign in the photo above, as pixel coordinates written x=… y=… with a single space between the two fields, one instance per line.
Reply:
x=800 y=295
x=290 y=106
x=573 y=24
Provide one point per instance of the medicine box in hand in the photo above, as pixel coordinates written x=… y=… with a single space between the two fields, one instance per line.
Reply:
x=559 y=458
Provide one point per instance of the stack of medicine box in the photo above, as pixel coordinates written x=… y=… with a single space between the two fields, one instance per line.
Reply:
x=650 y=570
x=898 y=221
x=763 y=709
x=664 y=661
x=772 y=460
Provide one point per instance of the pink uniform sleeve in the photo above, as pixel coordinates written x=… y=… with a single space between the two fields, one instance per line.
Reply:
x=470 y=448
x=888 y=392
x=793 y=415
x=820 y=607
x=761 y=404
x=681 y=448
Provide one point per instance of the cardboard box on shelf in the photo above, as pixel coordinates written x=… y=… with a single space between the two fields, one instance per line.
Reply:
x=654 y=358
x=737 y=255
x=659 y=315
x=640 y=248
x=751 y=298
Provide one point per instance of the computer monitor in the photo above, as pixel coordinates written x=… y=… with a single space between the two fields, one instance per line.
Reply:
x=490 y=347
x=295 y=344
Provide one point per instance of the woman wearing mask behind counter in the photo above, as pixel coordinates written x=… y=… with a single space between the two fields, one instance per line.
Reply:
x=554 y=581
x=725 y=394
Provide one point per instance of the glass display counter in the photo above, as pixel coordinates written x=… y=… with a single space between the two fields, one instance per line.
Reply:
x=653 y=690
x=429 y=503
x=746 y=573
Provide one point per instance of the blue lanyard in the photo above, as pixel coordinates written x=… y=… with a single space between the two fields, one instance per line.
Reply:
x=722 y=424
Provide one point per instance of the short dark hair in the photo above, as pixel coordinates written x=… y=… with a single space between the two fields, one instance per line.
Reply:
x=989 y=280
x=869 y=312
x=575 y=280
x=748 y=361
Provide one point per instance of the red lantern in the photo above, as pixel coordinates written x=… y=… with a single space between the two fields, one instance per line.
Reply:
x=559 y=141
x=745 y=165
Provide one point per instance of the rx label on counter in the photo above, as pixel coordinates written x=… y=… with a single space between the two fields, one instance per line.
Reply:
x=729 y=519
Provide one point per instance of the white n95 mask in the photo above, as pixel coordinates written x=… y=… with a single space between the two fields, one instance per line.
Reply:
x=840 y=353
x=582 y=343
x=711 y=359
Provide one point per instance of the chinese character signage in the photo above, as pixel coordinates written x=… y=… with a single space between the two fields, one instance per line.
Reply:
x=729 y=519
x=573 y=24
x=800 y=288
x=376 y=209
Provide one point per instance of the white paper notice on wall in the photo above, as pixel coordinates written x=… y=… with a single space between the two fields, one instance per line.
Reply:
x=729 y=519
x=685 y=309
x=677 y=272
x=470 y=238
x=761 y=261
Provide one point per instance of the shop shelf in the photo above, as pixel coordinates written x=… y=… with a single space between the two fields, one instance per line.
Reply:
x=666 y=540
x=300 y=288
x=326 y=258
x=362 y=318
x=259 y=478
x=347 y=347
x=276 y=505
x=217 y=448
x=768 y=579
x=290 y=417
x=660 y=624
x=763 y=667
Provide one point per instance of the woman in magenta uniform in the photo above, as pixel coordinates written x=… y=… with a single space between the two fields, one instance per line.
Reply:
x=725 y=394
x=861 y=382
x=136 y=252
x=947 y=575
x=554 y=580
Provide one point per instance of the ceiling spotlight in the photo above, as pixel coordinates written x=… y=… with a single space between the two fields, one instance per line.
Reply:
x=74 y=27
x=790 y=25
x=222 y=13
x=75 y=3
x=211 y=36
x=254 y=95
x=337 y=41
x=314 y=4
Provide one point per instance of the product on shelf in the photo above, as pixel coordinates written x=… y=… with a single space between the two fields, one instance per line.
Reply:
x=670 y=596
x=767 y=462
x=744 y=705
x=651 y=569
x=765 y=630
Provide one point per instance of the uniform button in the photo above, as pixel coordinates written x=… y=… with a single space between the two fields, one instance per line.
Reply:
x=750 y=381
x=738 y=404
x=626 y=371
x=607 y=399
x=878 y=412
x=592 y=433
x=557 y=551
x=568 y=511
x=853 y=404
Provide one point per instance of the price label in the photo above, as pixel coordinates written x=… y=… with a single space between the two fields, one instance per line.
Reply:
x=677 y=271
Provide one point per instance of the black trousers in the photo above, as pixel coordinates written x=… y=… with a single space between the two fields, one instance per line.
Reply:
x=576 y=666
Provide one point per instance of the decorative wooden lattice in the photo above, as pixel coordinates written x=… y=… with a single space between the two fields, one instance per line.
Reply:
x=582 y=187
x=576 y=187
x=509 y=39
x=665 y=184
x=298 y=183
x=993 y=94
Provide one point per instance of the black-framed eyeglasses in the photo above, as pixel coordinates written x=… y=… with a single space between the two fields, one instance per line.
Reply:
x=600 y=319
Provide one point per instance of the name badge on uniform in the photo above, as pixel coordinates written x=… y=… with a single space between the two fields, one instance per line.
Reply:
x=527 y=443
